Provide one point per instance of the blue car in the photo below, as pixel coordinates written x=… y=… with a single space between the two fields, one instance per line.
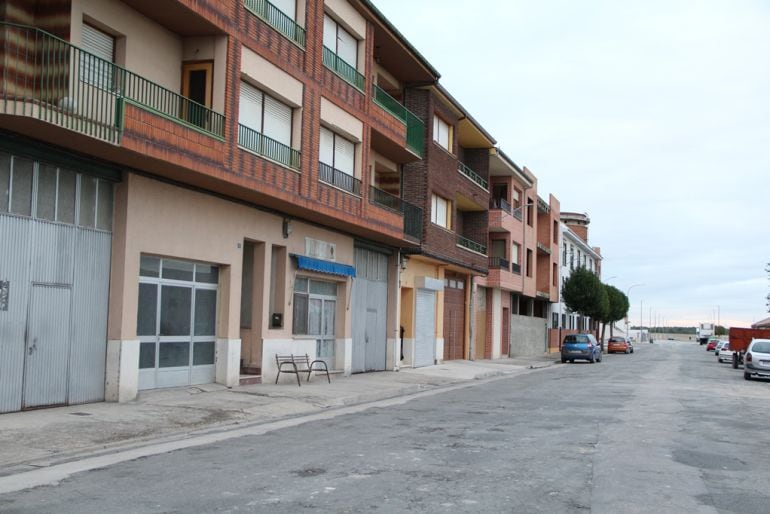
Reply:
x=581 y=346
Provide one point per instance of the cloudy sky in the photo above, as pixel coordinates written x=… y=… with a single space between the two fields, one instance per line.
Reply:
x=652 y=116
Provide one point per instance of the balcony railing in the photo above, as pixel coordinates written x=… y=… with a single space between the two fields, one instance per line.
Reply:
x=347 y=72
x=542 y=206
x=412 y=221
x=475 y=177
x=471 y=245
x=516 y=268
x=48 y=78
x=339 y=179
x=543 y=248
x=415 y=128
x=517 y=213
x=412 y=213
x=499 y=263
x=276 y=18
x=259 y=143
x=500 y=203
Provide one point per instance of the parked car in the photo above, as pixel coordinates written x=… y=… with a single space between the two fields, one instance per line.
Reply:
x=720 y=344
x=581 y=346
x=725 y=353
x=712 y=344
x=757 y=359
x=619 y=344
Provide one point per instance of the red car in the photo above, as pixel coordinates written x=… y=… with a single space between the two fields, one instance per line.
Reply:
x=619 y=344
x=712 y=344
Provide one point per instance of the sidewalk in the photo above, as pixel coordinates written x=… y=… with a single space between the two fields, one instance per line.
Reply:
x=44 y=437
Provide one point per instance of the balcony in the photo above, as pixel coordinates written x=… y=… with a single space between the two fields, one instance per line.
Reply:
x=516 y=268
x=500 y=203
x=415 y=128
x=542 y=206
x=499 y=263
x=271 y=149
x=543 y=248
x=54 y=81
x=347 y=72
x=472 y=175
x=412 y=214
x=276 y=18
x=339 y=179
x=473 y=246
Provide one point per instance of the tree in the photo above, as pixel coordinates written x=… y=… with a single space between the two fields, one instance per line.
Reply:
x=617 y=309
x=585 y=294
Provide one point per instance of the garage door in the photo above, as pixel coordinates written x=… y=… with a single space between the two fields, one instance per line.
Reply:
x=425 y=329
x=370 y=310
x=454 y=317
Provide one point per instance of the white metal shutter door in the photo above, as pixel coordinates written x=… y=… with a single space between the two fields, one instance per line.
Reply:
x=288 y=7
x=326 y=147
x=425 y=329
x=277 y=123
x=347 y=47
x=250 y=108
x=344 y=155
x=93 y=70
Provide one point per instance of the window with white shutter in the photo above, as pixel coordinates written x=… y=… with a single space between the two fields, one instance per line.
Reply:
x=441 y=133
x=277 y=121
x=326 y=150
x=344 y=155
x=439 y=212
x=340 y=41
x=330 y=33
x=95 y=66
x=250 y=108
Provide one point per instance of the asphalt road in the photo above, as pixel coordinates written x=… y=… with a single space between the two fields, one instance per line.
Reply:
x=666 y=429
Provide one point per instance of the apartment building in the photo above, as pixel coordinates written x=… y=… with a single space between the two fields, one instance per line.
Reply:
x=513 y=301
x=186 y=192
x=575 y=252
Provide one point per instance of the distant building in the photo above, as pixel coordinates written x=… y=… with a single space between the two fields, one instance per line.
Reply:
x=764 y=323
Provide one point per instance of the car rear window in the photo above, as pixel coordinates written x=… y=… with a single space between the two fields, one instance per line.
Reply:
x=761 y=347
x=617 y=340
x=576 y=339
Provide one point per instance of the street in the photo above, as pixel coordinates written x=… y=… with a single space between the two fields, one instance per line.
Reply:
x=666 y=429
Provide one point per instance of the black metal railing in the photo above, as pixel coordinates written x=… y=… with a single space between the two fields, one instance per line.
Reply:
x=385 y=199
x=516 y=268
x=340 y=179
x=500 y=203
x=412 y=221
x=499 y=263
x=471 y=245
x=517 y=213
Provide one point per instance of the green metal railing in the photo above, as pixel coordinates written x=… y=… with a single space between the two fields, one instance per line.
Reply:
x=415 y=128
x=347 y=72
x=475 y=177
x=276 y=18
x=259 y=143
x=47 y=78
x=339 y=179
x=471 y=245
x=53 y=80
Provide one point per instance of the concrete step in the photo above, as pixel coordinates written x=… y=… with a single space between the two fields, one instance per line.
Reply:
x=250 y=370
x=250 y=379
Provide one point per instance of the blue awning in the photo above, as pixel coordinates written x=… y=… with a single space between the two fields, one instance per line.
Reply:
x=321 y=266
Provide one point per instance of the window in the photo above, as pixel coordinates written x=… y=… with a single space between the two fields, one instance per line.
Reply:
x=315 y=311
x=530 y=217
x=571 y=257
x=442 y=133
x=515 y=250
x=555 y=275
x=96 y=65
x=340 y=41
x=265 y=114
x=556 y=232
x=564 y=253
x=439 y=211
x=337 y=152
x=529 y=263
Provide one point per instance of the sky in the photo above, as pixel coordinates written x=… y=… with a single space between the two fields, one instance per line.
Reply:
x=653 y=117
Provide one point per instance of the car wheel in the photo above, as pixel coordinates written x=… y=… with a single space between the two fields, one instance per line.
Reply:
x=572 y=361
x=628 y=351
x=563 y=360
x=746 y=376
x=592 y=360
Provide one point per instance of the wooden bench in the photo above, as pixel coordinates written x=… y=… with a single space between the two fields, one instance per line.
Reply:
x=297 y=364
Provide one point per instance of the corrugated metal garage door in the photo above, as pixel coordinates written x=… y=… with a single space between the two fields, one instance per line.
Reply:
x=425 y=329
x=370 y=310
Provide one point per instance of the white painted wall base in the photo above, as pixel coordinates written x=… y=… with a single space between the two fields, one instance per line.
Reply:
x=121 y=382
x=408 y=352
x=343 y=355
x=228 y=362
x=439 y=350
x=497 y=322
x=273 y=347
x=393 y=360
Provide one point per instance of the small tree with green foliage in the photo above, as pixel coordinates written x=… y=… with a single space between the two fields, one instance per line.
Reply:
x=618 y=307
x=585 y=294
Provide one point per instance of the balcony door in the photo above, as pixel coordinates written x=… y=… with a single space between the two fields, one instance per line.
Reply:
x=197 y=81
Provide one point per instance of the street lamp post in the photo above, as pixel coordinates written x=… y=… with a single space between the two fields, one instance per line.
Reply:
x=628 y=292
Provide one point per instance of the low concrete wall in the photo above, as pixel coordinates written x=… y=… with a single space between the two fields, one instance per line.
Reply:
x=528 y=336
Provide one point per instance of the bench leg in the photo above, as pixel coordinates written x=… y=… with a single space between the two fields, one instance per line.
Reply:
x=296 y=372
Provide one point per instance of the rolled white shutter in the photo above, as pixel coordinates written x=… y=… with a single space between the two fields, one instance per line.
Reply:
x=250 y=108
x=330 y=33
x=94 y=70
x=344 y=155
x=326 y=149
x=277 y=123
x=347 y=47
x=288 y=7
